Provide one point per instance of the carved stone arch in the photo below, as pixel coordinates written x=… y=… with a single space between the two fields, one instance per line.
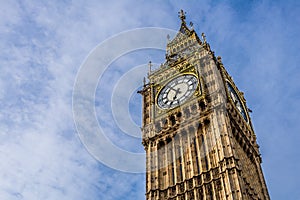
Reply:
x=172 y=120
x=160 y=144
x=191 y=129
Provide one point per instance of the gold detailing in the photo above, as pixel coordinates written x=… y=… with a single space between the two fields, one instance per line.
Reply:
x=182 y=15
x=203 y=148
x=182 y=71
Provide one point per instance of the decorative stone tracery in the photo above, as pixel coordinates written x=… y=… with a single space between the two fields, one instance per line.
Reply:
x=204 y=148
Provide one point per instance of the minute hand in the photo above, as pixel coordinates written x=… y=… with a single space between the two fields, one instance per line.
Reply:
x=176 y=92
x=171 y=88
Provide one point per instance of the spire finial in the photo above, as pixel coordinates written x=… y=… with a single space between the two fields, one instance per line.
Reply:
x=182 y=15
x=192 y=25
x=203 y=37
x=168 y=37
x=150 y=65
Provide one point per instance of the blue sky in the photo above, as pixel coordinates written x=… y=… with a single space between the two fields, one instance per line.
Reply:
x=44 y=44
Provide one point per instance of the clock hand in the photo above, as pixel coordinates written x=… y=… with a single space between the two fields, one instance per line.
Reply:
x=176 y=92
x=171 y=88
x=170 y=104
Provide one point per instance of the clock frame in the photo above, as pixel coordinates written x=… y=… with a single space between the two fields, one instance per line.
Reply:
x=177 y=91
x=234 y=96
x=159 y=88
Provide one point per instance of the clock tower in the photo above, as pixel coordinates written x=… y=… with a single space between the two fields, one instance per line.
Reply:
x=196 y=129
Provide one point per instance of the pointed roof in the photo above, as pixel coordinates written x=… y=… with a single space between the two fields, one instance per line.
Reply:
x=184 y=30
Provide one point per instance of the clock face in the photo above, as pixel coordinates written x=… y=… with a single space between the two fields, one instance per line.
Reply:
x=237 y=101
x=177 y=91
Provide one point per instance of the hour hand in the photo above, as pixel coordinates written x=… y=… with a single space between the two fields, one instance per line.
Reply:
x=174 y=97
x=176 y=92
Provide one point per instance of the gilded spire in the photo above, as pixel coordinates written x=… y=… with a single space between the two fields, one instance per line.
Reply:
x=150 y=66
x=203 y=37
x=192 y=25
x=182 y=15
